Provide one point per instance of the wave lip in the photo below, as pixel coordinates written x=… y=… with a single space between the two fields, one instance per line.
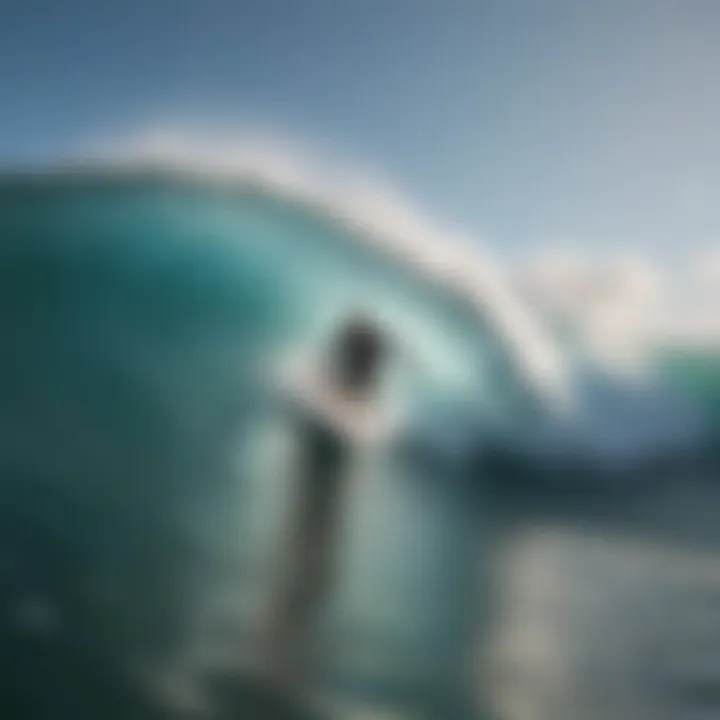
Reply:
x=378 y=216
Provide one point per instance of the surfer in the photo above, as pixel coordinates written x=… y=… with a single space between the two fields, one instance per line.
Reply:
x=334 y=411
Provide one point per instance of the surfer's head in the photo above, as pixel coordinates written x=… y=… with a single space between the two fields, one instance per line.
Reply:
x=359 y=349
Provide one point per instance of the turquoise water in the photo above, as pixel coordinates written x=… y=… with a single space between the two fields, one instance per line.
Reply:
x=698 y=373
x=140 y=319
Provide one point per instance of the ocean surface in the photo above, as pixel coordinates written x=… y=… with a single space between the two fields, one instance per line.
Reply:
x=143 y=484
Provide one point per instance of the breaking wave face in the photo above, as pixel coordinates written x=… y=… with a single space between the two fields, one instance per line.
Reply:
x=141 y=311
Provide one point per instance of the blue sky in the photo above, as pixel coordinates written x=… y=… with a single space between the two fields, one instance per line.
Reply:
x=532 y=122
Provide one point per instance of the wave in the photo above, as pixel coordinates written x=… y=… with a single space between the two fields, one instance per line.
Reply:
x=622 y=305
x=121 y=407
x=379 y=217
x=618 y=312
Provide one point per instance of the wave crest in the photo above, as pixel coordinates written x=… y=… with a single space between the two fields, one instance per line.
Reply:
x=378 y=215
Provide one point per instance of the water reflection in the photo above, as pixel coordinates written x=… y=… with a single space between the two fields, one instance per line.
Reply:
x=597 y=625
